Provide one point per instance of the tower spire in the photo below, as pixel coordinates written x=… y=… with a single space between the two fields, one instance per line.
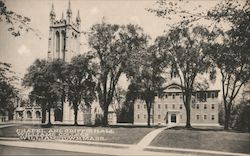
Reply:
x=62 y=16
x=78 y=19
x=52 y=12
x=69 y=12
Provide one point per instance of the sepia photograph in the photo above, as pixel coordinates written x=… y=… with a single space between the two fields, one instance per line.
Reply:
x=125 y=77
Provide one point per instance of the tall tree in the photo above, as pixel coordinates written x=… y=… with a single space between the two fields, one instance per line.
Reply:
x=186 y=46
x=147 y=80
x=8 y=92
x=80 y=80
x=116 y=47
x=46 y=87
x=231 y=52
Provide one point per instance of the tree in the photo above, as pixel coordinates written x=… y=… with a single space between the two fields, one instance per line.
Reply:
x=116 y=47
x=186 y=48
x=232 y=54
x=46 y=87
x=80 y=80
x=17 y=23
x=147 y=80
x=8 y=92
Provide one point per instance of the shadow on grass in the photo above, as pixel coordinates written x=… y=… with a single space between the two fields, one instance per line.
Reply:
x=214 y=129
x=92 y=126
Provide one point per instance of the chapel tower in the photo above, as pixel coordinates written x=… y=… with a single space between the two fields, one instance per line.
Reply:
x=64 y=35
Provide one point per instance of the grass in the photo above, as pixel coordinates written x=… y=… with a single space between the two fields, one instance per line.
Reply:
x=122 y=135
x=12 y=150
x=205 y=139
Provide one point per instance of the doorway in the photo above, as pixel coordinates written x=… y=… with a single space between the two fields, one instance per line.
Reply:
x=173 y=118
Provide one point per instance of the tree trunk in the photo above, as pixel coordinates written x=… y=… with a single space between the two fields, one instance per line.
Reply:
x=188 y=122
x=43 y=113
x=227 y=118
x=148 y=111
x=49 y=119
x=188 y=111
x=75 y=114
x=105 y=116
x=62 y=103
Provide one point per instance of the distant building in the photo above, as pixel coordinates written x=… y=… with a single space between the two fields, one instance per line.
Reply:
x=168 y=108
x=27 y=112
x=246 y=92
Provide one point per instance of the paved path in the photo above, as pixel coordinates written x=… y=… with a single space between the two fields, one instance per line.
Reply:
x=147 y=139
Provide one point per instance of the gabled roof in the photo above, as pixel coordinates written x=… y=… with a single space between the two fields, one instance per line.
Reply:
x=175 y=87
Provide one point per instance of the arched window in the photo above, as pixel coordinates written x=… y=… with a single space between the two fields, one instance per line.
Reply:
x=29 y=116
x=58 y=114
x=63 y=44
x=38 y=114
x=58 y=43
x=76 y=43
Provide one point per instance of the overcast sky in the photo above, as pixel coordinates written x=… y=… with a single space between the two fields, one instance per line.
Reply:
x=22 y=51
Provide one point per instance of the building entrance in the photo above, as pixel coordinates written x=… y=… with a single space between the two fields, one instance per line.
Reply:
x=173 y=118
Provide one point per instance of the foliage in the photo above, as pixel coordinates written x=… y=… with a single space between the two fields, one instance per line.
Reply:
x=8 y=92
x=80 y=82
x=17 y=23
x=116 y=48
x=42 y=76
x=186 y=46
x=147 y=80
x=232 y=55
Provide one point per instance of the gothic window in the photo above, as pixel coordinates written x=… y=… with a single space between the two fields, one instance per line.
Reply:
x=58 y=43
x=38 y=114
x=75 y=43
x=63 y=44
x=29 y=114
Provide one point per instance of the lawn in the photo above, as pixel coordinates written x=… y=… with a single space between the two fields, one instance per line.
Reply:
x=206 y=139
x=123 y=135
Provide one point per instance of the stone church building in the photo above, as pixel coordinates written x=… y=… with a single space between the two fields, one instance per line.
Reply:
x=63 y=43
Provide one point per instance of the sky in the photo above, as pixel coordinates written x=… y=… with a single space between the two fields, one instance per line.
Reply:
x=23 y=50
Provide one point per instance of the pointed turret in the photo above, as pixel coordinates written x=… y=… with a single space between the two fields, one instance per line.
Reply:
x=52 y=13
x=62 y=18
x=69 y=13
x=78 y=19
